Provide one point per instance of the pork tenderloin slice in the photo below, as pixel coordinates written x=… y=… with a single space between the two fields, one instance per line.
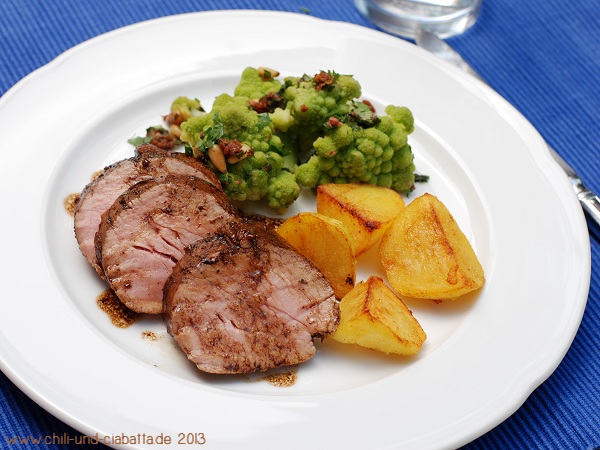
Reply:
x=99 y=195
x=144 y=233
x=242 y=300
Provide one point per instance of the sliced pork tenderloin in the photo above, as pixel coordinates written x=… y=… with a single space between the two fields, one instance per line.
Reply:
x=149 y=162
x=144 y=233
x=243 y=300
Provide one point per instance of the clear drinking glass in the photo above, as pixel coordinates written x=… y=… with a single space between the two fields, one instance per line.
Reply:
x=403 y=17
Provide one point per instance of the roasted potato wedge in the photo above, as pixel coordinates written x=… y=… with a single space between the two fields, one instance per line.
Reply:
x=426 y=255
x=325 y=242
x=365 y=210
x=373 y=316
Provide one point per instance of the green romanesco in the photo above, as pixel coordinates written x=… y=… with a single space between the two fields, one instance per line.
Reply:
x=187 y=107
x=313 y=100
x=349 y=153
x=270 y=139
x=256 y=83
x=259 y=176
x=255 y=152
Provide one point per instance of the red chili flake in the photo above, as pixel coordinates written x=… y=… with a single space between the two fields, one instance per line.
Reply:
x=333 y=122
x=303 y=108
x=370 y=105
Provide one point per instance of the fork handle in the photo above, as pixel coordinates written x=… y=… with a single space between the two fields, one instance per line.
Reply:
x=590 y=203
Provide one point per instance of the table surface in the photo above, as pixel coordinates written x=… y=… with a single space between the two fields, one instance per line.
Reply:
x=543 y=57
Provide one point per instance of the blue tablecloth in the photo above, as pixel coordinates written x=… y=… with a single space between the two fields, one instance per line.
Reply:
x=544 y=57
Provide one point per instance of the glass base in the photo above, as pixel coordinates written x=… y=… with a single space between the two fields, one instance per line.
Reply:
x=445 y=18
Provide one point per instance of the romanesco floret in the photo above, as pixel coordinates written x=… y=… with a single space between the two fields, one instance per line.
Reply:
x=255 y=83
x=230 y=118
x=256 y=167
x=273 y=138
x=313 y=100
x=349 y=153
x=282 y=119
x=401 y=115
x=280 y=189
x=188 y=107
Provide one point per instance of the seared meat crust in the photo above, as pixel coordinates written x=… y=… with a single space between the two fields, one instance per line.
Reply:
x=236 y=297
x=100 y=194
x=145 y=232
x=242 y=300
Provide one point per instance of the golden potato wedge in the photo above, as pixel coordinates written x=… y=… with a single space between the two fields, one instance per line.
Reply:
x=325 y=242
x=426 y=255
x=365 y=210
x=373 y=316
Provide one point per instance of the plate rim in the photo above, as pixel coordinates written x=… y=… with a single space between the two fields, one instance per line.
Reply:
x=541 y=159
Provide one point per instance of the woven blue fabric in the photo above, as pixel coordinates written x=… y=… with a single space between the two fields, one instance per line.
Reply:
x=543 y=57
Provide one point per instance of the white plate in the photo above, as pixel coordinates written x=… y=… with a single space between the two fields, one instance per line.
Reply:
x=484 y=354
